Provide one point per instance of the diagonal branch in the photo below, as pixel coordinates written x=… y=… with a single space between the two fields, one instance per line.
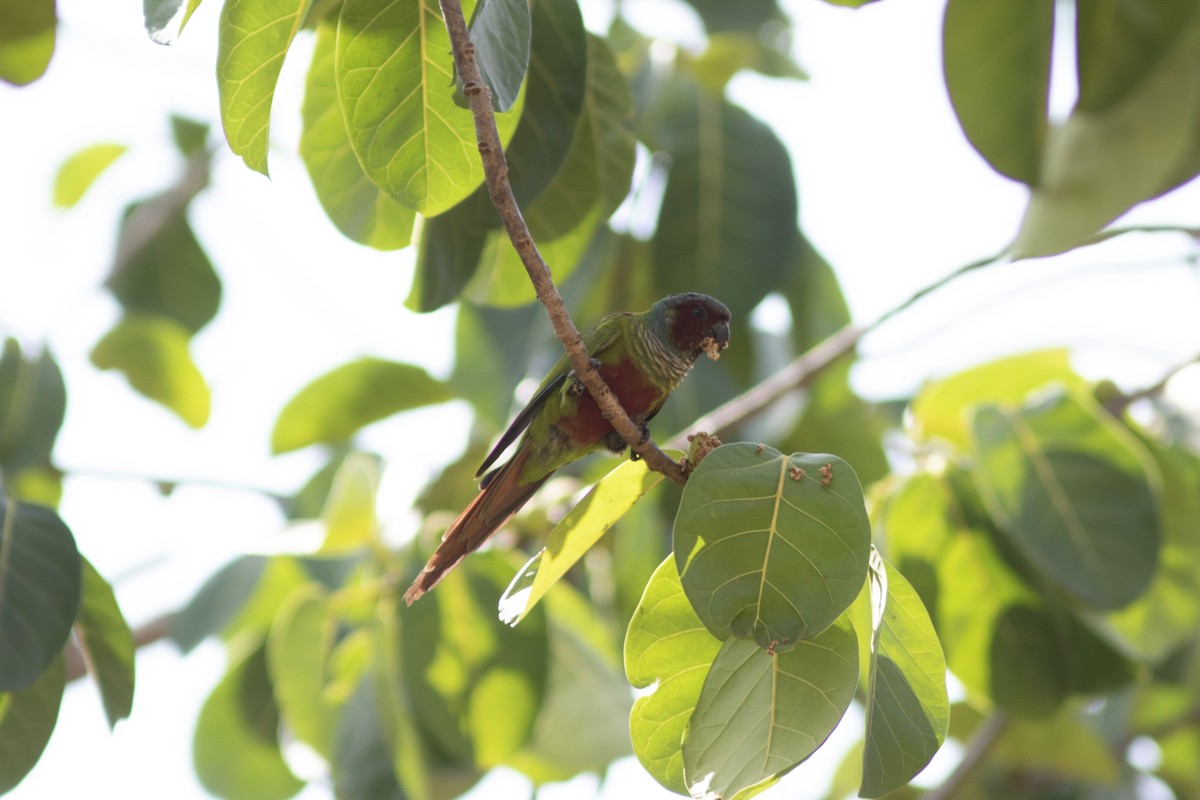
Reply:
x=495 y=169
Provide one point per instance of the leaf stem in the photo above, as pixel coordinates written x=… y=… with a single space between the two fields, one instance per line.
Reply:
x=495 y=168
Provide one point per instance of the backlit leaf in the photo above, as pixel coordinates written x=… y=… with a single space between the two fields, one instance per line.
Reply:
x=253 y=39
x=79 y=171
x=27 y=33
x=217 y=601
x=297 y=649
x=33 y=401
x=27 y=718
x=771 y=547
x=107 y=644
x=349 y=515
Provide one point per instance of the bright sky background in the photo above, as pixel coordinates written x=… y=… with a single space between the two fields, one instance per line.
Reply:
x=889 y=191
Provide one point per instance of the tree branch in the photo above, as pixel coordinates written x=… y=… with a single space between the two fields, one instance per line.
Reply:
x=981 y=744
x=495 y=169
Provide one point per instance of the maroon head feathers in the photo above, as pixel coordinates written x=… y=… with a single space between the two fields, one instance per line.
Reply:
x=695 y=322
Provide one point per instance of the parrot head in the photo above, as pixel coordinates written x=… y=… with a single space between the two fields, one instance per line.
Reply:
x=696 y=323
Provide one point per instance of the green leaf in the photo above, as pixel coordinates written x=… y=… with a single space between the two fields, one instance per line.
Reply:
x=771 y=547
x=730 y=52
x=997 y=67
x=33 y=400
x=1101 y=164
x=1118 y=42
x=943 y=407
x=217 y=601
x=761 y=713
x=1074 y=491
x=908 y=709
x=167 y=272
x=362 y=762
x=747 y=15
x=727 y=225
x=336 y=405
x=252 y=41
x=165 y=19
x=152 y=352
x=475 y=684
x=189 y=135
x=298 y=648
x=668 y=652
x=27 y=718
x=500 y=31
x=1063 y=747
x=492 y=348
x=79 y=171
x=395 y=78
x=361 y=210
x=349 y=515
x=107 y=645
x=27 y=32
x=236 y=746
x=576 y=533
x=40 y=586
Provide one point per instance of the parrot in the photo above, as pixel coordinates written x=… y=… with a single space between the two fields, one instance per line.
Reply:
x=641 y=356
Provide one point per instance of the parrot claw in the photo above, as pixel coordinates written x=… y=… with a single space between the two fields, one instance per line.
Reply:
x=576 y=389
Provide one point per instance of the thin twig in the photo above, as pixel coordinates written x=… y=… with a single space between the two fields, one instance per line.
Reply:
x=981 y=744
x=153 y=631
x=495 y=169
x=1118 y=405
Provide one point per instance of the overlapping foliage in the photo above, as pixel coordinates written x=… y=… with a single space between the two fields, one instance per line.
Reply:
x=1042 y=544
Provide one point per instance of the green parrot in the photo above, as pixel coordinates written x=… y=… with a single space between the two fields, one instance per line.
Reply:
x=641 y=356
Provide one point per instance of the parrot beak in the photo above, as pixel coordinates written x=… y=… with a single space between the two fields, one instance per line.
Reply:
x=720 y=334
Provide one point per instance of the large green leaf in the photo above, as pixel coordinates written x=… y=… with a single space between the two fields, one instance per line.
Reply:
x=474 y=684
x=500 y=31
x=79 y=171
x=27 y=718
x=997 y=67
x=908 y=709
x=1074 y=491
x=771 y=547
x=362 y=765
x=760 y=713
x=40 y=586
x=217 y=601
x=252 y=41
x=152 y=352
x=667 y=651
x=33 y=400
x=395 y=78
x=165 y=19
x=727 y=225
x=1118 y=42
x=107 y=644
x=349 y=513
x=298 y=648
x=360 y=209
x=575 y=533
x=1101 y=164
x=1064 y=747
x=27 y=32
x=166 y=272
x=748 y=15
x=334 y=406
x=236 y=746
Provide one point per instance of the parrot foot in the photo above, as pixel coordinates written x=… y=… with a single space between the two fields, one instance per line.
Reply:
x=576 y=389
x=615 y=442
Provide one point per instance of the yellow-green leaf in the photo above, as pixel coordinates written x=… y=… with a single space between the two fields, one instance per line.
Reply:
x=298 y=647
x=349 y=514
x=27 y=33
x=78 y=172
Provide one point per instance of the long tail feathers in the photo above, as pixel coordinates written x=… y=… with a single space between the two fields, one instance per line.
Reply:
x=501 y=497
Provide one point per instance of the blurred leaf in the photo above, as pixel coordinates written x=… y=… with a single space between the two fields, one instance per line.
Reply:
x=361 y=210
x=107 y=644
x=236 y=746
x=771 y=547
x=27 y=32
x=1118 y=42
x=727 y=226
x=475 y=684
x=165 y=19
x=349 y=515
x=298 y=647
x=997 y=67
x=42 y=486
x=252 y=41
x=33 y=401
x=395 y=78
x=362 y=765
x=281 y=576
x=492 y=349
x=166 y=272
x=27 y=718
x=1062 y=747
x=576 y=533
x=1101 y=164
x=336 y=405
x=40 y=586
x=217 y=601
x=190 y=136
x=747 y=15
x=309 y=501
x=943 y=407
x=667 y=652
x=78 y=172
x=1074 y=491
x=761 y=713
x=729 y=53
x=908 y=710
x=152 y=352
x=500 y=31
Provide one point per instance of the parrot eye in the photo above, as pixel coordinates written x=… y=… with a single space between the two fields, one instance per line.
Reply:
x=698 y=312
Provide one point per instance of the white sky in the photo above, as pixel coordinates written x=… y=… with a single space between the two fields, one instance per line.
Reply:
x=889 y=191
